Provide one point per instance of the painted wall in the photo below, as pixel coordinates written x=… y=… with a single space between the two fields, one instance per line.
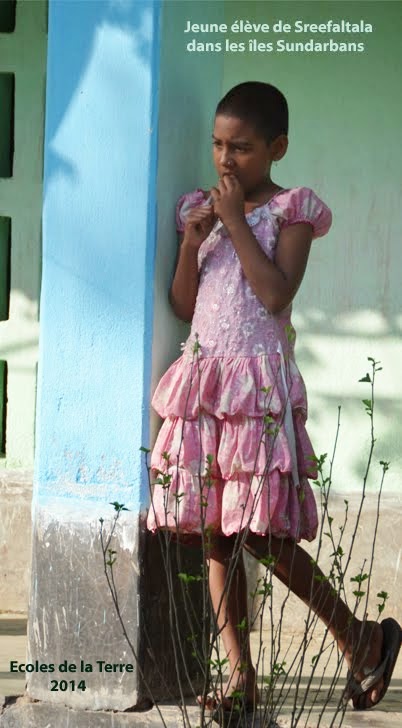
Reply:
x=23 y=54
x=344 y=119
x=98 y=224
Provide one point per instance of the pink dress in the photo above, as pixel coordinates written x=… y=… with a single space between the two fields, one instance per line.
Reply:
x=233 y=450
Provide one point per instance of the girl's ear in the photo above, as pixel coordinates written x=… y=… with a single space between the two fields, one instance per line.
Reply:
x=279 y=147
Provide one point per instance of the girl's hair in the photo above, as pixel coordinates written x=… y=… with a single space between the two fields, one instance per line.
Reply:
x=259 y=104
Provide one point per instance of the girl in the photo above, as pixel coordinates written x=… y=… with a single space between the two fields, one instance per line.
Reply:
x=233 y=448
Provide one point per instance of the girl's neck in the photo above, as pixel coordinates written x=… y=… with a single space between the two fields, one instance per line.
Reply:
x=261 y=193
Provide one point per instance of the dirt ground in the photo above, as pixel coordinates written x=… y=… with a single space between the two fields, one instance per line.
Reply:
x=290 y=699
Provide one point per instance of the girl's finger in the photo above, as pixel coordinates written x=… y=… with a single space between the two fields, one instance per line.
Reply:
x=222 y=186
x=231 y=180
x=228 y=181
x=202 y=210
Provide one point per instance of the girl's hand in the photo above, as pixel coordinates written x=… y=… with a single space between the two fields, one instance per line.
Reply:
x=199 y=223
x=228 y=199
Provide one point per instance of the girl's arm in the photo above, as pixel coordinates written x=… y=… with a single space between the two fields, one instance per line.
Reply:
x=275 y=283
x=184 y=289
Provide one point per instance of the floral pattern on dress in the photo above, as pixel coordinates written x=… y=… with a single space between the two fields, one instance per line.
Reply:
x=233 y=447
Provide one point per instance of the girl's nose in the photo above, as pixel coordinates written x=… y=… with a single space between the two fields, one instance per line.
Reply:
x=226 y=160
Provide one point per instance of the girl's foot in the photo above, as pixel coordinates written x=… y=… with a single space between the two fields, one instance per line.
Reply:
x=363 y=655
x=248 y=687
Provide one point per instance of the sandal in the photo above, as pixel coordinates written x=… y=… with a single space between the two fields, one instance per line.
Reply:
x=357 y=691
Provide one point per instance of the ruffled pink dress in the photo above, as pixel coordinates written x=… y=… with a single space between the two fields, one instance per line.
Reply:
x=233 y=450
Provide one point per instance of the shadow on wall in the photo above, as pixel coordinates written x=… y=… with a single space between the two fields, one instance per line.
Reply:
x=114 y=17
x=91 y=100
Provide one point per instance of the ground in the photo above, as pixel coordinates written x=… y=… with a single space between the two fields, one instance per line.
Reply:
x=389 y=715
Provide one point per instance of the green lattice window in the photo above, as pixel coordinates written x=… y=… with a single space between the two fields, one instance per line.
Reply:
x=6 y=124
x=5 y=255
x=3 y=406
x=7 y=16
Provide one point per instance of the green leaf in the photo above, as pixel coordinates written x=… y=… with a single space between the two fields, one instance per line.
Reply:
x=144 y=449
x=339 y=552
x=383 y=595
x=278 y=668
x=359 y=578
x=268 y=561
x=367 y=378
x=187 y=578
x=118 y=506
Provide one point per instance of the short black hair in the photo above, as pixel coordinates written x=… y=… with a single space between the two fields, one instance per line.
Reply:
x=259 y=104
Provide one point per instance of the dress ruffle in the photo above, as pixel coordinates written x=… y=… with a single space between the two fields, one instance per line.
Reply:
x=223 y=453
x=227 y=386
x=214 y=461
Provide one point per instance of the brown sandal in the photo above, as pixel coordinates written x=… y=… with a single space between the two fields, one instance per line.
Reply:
x=357 y=691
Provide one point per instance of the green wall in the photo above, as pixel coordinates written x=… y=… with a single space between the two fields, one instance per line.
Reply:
x=22 y=94
x=345 y=120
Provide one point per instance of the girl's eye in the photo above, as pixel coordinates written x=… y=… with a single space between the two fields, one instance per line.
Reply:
x=235 y=149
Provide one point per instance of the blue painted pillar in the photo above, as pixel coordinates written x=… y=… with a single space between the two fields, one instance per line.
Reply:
x=95 y=340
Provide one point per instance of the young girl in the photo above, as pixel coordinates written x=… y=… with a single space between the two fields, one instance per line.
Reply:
x=233 y=446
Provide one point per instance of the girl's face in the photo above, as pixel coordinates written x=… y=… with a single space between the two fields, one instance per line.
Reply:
x=238 y=149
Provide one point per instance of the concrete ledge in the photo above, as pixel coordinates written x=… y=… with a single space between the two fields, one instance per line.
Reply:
x=15 y=528
x=27 y=714
x=23 y=713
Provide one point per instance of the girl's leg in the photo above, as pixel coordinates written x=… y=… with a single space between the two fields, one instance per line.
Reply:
x=360 y=642
x=230 y=607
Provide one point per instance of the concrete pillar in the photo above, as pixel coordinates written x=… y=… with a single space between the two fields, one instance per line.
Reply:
x=95 y=346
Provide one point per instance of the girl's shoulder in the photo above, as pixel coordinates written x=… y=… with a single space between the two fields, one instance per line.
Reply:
x=301 y=204
x=186 y=202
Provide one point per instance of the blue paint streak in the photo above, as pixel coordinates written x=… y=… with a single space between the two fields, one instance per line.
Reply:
x=151 y=252
x=98 y=249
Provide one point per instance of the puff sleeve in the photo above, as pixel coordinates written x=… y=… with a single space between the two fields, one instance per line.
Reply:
x=185 y=203
x=301 y=204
